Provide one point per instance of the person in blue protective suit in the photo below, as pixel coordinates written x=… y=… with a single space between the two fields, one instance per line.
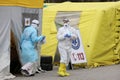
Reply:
x=65 y=36
x=29 y=54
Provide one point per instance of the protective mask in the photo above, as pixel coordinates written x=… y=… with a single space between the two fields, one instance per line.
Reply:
x=66 y=24
x=35 y=26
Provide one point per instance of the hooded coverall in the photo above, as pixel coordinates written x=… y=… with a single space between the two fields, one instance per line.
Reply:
x=65 y=47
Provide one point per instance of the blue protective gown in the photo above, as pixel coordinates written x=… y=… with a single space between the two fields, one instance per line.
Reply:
x=28 y=40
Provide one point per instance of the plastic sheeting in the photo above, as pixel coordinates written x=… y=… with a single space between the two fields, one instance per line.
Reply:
x=23 y=3
x=99 y=28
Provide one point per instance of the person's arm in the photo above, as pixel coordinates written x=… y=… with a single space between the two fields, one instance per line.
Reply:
x=34 y=36
x=60 y=35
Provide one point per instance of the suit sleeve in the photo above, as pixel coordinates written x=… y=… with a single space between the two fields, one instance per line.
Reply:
x=34 y=36
x=60 y=35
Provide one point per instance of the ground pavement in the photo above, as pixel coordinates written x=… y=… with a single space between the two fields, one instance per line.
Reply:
x=100 y=73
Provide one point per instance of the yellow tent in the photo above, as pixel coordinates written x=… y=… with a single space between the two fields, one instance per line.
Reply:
x=99 y=26
x=23 y=3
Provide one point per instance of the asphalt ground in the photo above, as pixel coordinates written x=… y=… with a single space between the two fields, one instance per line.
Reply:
x=99 y=73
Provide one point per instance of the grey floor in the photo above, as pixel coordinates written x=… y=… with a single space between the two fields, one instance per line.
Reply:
x=100 y=73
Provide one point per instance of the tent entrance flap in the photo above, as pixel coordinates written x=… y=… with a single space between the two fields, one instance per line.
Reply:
x=73 y=16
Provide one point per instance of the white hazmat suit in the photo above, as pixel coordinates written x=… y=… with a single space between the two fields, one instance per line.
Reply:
x=65 y=36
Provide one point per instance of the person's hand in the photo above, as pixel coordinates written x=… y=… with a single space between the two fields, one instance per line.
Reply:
x=43 y=38
x=44 y=41
x=67 y=36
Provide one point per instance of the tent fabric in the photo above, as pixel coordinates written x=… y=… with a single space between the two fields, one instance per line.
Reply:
x=99 y=28
x=4 y=38
x=23 y=3
x=11 y=19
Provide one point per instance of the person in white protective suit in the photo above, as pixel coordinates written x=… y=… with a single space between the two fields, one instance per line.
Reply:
x=65 y=36
x=29 y=55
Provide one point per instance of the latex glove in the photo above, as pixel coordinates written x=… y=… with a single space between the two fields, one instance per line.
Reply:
x=44 y=41
x=43 y=38
x=67 y=36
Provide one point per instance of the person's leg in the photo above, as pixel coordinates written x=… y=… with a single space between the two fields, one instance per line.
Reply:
x=63 y=62
x=61 y=70
x=65 y=72
x=69 y=65
x=39 y=69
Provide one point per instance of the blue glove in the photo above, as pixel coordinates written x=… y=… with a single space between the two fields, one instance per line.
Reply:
x=67 y=36
x=43 y=37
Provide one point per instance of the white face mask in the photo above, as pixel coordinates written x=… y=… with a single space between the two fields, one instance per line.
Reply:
x=35 y=26
x=66 y=24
